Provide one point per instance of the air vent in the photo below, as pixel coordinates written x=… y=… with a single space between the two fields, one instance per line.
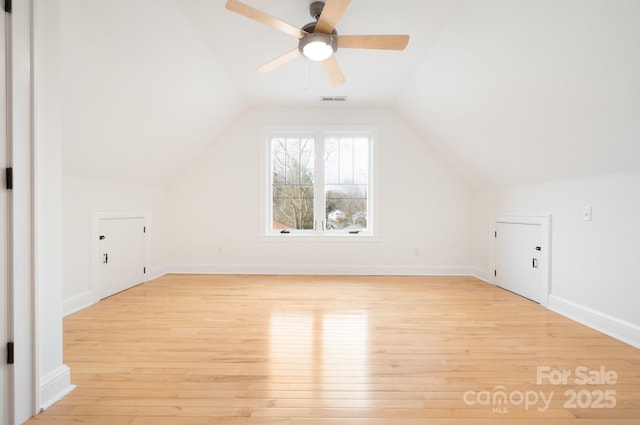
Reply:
x=333 y=98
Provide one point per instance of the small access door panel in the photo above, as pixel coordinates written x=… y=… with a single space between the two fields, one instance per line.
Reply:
x=517 y=258
x=122 y=256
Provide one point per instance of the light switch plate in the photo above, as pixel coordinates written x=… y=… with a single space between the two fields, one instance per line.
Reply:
x=586 y=213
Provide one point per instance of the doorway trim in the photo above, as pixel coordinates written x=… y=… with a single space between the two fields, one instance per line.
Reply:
x=544 y=221
x=95 y=258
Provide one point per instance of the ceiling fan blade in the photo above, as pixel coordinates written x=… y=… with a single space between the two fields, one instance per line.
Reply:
x=263 y=18
x=382 y=42
x=331 y=14
x=333 y=71
x=279 y=61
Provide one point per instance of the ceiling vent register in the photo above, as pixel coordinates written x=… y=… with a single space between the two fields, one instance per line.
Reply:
x=333 y=98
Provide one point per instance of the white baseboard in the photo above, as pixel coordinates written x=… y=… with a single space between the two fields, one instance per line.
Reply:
x=307 y=269
x=481 y=274
x=54 y=386
x=77 y=303
x=156 y=272
x=84 y=300
x=612 y=326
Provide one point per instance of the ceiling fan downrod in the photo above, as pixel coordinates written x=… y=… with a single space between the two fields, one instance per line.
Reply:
x=315 y=9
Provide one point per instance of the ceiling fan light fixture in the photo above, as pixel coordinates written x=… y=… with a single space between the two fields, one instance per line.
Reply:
x=317 y=46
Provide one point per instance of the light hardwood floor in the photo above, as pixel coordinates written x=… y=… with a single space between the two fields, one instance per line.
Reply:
x=301 y=350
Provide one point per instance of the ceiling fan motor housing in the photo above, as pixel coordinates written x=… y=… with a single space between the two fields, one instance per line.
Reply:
x=312 y=37
x=311 y=28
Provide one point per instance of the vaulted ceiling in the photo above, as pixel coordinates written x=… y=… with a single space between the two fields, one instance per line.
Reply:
x=507 y=91
x=373 y=76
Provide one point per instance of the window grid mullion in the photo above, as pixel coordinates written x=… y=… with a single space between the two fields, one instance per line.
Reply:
x=319 y=202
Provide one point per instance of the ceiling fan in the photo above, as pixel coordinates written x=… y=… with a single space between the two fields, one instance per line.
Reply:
x=319 y=40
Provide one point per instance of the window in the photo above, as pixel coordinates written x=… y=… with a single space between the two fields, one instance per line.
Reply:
x=319 y=182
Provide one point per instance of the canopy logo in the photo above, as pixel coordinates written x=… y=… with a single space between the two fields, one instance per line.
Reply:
x=500 y=399
x=583 y=397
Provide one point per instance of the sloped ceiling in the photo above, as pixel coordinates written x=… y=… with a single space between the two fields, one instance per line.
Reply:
x=516 y=92
x=143 y=96
x=507 y=91
x=373 y=77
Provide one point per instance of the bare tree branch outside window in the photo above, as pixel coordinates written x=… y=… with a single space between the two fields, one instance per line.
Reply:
x=343 y=189
x=293 y=180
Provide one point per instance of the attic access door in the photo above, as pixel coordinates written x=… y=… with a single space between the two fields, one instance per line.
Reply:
x=122 y=254
x=521 y=256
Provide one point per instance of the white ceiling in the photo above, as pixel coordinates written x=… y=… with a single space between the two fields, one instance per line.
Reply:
x=506 y=91
x=373 y=77
x=516 y=92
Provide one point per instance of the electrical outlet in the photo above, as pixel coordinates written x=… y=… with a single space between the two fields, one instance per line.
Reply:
x=416 y=252
x=586 y=213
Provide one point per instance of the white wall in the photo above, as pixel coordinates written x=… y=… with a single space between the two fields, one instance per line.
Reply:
x=81 y=196
x=207 y=220
x=214 y=204
x=141 y=97
x=594 y=272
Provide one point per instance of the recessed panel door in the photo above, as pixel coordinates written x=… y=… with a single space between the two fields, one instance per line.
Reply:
x=517 y=250
x=122 y=257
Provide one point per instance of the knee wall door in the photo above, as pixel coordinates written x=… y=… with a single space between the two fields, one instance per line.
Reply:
x=122 y=254
x=517 y=258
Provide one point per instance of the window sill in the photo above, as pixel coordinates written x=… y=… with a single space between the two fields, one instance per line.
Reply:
x=308 y=237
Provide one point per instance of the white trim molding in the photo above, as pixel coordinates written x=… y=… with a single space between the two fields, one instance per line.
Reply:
x=157 y=272
x=612 y=326
x=314 y=269
x=481 y=274
x=54 y=386
x=77 y=303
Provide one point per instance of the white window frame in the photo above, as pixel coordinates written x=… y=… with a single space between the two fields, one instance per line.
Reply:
x=319 y=133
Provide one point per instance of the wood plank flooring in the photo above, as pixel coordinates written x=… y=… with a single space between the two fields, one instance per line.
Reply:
x=329 y=350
